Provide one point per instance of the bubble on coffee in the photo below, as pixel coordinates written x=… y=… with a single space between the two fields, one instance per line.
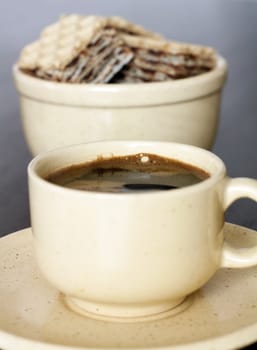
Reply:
x=142 y=172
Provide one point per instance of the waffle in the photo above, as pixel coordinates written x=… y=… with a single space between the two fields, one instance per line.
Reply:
x=105 y=56
x=158 y=60
x=172 y=47
x=125 y=27
x=61 y=42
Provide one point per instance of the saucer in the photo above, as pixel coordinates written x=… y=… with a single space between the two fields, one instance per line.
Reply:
x=223 y=314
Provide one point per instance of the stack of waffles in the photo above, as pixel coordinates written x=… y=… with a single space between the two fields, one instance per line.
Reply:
x=98 y=50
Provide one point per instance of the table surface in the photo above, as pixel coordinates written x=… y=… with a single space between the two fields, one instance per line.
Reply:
x=228 y=25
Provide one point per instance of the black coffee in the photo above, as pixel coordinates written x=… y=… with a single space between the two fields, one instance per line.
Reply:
x=132 y=173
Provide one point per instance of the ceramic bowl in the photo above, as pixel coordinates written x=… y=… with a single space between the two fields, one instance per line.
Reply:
x=60 y=114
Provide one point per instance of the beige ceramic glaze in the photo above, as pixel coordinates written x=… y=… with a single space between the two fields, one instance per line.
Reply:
x=59 y=114
x=223 y=315
x=136 y=255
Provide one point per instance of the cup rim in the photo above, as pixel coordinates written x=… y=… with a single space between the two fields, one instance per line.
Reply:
x=127 y=95
x=214 y=178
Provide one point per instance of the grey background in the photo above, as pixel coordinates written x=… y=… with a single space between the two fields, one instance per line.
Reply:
x=228 y=25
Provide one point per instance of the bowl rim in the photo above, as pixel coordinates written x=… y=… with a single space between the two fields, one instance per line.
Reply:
x=121 y=95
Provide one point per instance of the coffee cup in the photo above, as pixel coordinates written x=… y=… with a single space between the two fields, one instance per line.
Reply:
x=137 y=255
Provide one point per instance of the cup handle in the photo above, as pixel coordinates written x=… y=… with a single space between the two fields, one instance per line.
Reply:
x=235 y=189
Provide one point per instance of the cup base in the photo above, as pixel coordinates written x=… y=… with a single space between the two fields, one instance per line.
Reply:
x=140 y=313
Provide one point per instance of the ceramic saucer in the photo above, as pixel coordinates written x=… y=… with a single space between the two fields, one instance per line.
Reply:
x=222 y=316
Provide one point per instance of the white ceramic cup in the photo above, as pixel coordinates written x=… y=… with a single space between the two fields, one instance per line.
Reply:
x=133 y=255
